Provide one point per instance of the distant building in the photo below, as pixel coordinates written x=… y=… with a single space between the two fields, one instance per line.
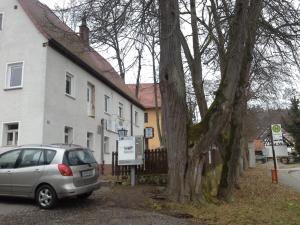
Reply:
x=147 y=98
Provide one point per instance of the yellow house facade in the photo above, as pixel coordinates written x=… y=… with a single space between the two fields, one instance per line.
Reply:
x=150 y=121
x=147 y=98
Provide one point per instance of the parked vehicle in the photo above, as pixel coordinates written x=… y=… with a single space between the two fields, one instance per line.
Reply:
x=291 y=158
x=48 y=173
x=261 y=158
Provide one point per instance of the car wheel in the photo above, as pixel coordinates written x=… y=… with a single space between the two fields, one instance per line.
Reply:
x=46 y=197
x=85 y=195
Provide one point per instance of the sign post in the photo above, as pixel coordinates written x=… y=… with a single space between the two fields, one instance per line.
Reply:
x=130 y=153
x=276 y=139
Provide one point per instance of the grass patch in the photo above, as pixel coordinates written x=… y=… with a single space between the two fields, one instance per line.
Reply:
x=257 y=202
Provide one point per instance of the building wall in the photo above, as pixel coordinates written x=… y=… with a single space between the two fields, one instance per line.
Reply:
x=20 y=41
x=154 y=142
x=61 y=110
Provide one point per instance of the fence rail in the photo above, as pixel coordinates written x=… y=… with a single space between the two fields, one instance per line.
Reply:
x=155 y=162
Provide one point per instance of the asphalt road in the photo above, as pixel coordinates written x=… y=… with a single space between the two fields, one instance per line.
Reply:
x=290 y=177
x=77 y=212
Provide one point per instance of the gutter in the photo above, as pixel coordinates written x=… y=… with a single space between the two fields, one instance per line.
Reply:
x=75 y=59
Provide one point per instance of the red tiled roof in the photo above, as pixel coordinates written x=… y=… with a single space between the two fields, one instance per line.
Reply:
x=64 y=39
x=146 y=94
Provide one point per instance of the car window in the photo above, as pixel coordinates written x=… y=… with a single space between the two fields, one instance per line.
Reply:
x=31 y=157
x=8 y=160
x=79 y=157
x=49 y=156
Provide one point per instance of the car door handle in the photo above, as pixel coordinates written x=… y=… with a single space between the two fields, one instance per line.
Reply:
x=38 y=170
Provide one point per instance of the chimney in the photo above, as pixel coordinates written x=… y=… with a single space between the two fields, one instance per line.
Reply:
x=84 y=32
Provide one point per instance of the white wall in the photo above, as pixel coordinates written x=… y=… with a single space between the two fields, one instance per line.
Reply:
x=61 y=110
x=21 y=41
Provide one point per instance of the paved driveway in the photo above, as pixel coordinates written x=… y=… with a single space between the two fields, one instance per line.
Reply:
x=13 y=206
x=95 y=211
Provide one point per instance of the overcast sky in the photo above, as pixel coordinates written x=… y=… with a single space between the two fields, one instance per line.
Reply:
x=51 y=3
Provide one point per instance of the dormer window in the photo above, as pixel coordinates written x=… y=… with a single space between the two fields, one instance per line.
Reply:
x=1 y=21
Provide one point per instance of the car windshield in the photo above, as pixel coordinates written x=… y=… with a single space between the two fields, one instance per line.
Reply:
x=79 y=157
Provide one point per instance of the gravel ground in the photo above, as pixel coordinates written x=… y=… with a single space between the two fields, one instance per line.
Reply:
x=103 y=208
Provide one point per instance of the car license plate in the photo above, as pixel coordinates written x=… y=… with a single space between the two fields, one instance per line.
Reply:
x=87 y=173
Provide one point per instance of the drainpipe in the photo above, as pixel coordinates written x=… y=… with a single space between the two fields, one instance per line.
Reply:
x=131 y=120
x=102 y=146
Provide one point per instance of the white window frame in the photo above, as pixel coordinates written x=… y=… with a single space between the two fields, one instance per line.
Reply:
x=90 y=140
x=2 y=22
x=72 y=93
x=69 y=135
x=121 y=106
x=136 y=118
x=91 y=100
x=108 y=106
x=106 y=145
x=5 y=132
x=8 y=76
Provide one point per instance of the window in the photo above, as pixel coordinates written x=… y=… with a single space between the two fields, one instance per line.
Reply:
x=106 y=103
x=1 y=21
x=11 y=134
x=49 y=156
x=136 y=118
x=8 y=160
x=70 y=84
x=32 y=157
x=91 y=100
x=14 y=75
x=89 y=140
x=146 y=118
x=79 y=157
x=68 y=135
x=121 y=111
x=106 y=145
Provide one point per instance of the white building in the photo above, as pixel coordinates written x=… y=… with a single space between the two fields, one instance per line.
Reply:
x=54 y=88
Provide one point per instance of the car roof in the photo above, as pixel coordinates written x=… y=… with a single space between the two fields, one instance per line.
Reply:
x=57 y=146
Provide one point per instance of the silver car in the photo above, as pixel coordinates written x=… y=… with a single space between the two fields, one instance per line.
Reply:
x=48 y=173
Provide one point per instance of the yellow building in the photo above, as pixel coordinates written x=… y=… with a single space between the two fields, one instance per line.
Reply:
x=147 y=98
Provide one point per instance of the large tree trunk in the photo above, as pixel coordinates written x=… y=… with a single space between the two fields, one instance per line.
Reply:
x=233 y=150
x=185 y=170
x=185 y=147
x=174 y=108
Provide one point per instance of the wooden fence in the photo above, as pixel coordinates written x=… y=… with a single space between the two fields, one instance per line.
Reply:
x=155 y=162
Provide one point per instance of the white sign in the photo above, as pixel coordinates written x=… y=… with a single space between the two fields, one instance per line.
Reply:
x=277 y=134
x=280 y=151
x=130 y=150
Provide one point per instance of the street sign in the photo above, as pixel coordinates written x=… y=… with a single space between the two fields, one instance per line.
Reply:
x=277 y=134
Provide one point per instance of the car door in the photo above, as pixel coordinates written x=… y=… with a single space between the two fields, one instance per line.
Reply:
x=7 y=164
x=30 y=168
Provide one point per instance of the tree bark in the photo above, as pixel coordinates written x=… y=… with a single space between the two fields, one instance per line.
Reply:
x=137 y=89
x=233 y=150
x=174 y=108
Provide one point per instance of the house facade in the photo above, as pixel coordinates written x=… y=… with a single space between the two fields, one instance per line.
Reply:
x=54 y=88
x=146 y=96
